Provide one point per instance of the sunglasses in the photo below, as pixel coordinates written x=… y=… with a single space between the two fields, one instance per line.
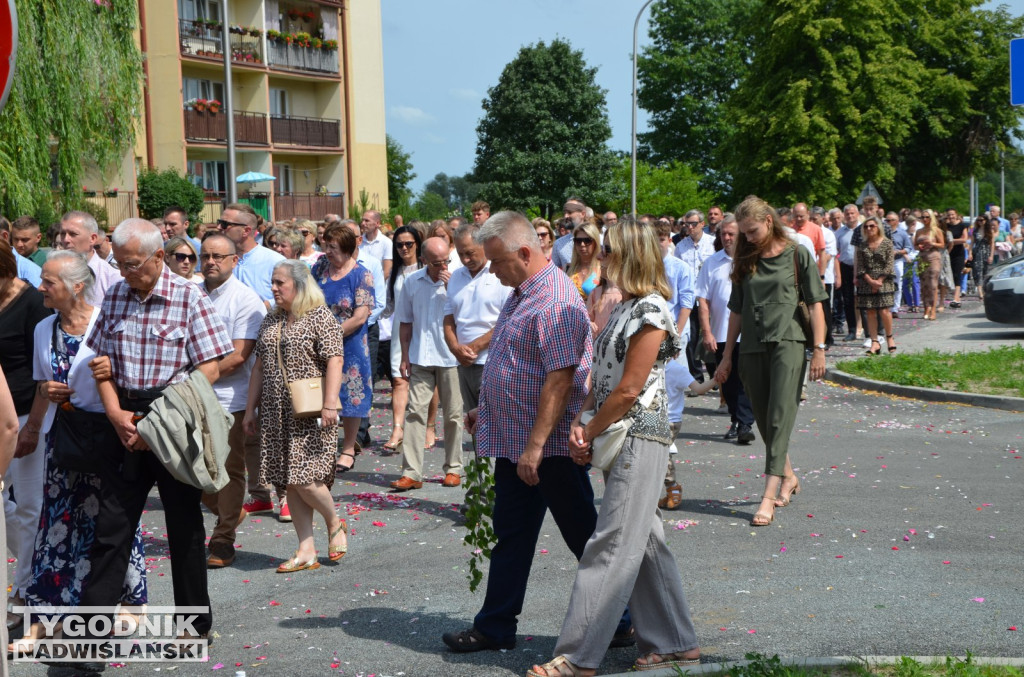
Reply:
x=182 y=258
x=543 y=233
x=222 y=224
x=583 y=240
x=404 y=245
x=304 y=233
x=438 y=264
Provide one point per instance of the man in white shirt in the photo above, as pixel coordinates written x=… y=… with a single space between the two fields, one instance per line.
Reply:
x=79 y=232
x=255 y=263
x=242 y=311
x=714 y=286
x=427 y=363
x=475 y=299
x=829 y=278
x=847 y=258
x=375 y=243
x=693 y=250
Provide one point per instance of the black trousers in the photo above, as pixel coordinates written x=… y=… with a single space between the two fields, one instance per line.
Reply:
x=826 y=307
x=373 y=343
x=849 y=304
x=124 y=489
x=736 y=398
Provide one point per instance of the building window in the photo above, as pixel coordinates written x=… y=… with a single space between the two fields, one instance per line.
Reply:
x=279 y=102
x=210 y=175
x=196 y=88
x=284 y=181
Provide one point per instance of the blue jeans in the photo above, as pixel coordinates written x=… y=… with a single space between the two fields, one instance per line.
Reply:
x=519 y=510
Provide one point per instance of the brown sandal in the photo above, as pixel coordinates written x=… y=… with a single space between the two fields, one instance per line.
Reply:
x=654 y=661
x=673 y=497
x=559 y=666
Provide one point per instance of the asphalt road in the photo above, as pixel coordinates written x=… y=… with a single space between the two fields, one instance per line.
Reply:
x=904 y=541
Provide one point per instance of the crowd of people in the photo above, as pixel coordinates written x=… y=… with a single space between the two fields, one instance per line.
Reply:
x=589 y=332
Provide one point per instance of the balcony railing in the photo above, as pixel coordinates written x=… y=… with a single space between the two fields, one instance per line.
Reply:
x=198 y=38
x=283 y=55
x=207 y=126
x=302 y=131
x=120 y=205
x=307 y=205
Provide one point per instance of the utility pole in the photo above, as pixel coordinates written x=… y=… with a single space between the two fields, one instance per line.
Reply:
x=229 y=107
x=636 y=27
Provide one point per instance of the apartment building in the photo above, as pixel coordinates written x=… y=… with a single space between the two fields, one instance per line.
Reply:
x=308 y=92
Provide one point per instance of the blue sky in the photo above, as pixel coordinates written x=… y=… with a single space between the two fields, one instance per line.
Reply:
x=441 y=56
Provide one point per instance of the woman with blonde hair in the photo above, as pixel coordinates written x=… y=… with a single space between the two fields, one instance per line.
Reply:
x=299 y=339
x=585 y=268
x=288 y=243
x=930 y=243
x=627 y=560
x=181 y=257
x=876 y=285
x=770 y=275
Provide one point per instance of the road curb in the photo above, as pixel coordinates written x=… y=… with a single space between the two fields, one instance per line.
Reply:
x=926 y=394
x=824 y=662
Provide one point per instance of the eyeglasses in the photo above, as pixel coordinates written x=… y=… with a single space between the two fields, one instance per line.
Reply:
x=132 y=267
x=182 y=258
x=583 y=240
x=224 y=225
x=892 y=220
x=216 y=257
x=404 y=245
x=691 y=224
x=543 y=233
x=438 y=264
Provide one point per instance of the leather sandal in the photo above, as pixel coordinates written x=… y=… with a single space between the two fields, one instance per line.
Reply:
x=673 y=497
x=559 y=666
x=763 y=519
x=340 y=469
x=655 y=661
x=294 y=564
x=783 y=500
x=395 y=446
x=336 y=552
x=891 y=343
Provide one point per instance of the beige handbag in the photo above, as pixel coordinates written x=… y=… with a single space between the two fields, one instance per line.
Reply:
x=307 y=393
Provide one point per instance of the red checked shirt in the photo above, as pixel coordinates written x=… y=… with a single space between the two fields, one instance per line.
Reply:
x=543 y=327
x=159 y=340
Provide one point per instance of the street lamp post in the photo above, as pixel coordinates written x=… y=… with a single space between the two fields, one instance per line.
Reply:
x=636 y=27
x=229 y=108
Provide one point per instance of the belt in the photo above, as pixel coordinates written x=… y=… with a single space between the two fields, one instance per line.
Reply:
x=146 y=394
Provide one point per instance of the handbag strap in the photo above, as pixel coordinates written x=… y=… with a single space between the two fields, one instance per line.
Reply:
x=796 y=276
x=280 y=362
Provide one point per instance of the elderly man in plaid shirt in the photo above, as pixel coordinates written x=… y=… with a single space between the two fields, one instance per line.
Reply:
x=156 y=328
x=532 y=386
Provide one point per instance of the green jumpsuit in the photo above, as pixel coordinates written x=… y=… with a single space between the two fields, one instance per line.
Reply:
x=772 y=354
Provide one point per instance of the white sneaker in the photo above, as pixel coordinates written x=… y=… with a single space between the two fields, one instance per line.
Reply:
x=867 y=343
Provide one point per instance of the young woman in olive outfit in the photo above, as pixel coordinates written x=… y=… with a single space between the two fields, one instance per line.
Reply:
x=772 y=352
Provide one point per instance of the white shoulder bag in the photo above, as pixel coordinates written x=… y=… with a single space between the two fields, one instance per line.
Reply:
x=605 y=448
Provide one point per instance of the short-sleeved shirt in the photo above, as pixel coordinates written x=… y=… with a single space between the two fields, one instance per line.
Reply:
x=421 y=304
x=255 y=268
x=544 y=327
x=242 y=312
x=27 y=270
x=844 y=235
x=901 y=240
x=610 y=348
x=561 y=251
x=159 y=340
x=956 y=231
x=714 y=285
x=681 y=280
x=829 y=276
x=694 y=254
x=475 y=303
x=372 y=264
x=380 y=248
x=767 y=299
x=106 y=277
x=813 y=231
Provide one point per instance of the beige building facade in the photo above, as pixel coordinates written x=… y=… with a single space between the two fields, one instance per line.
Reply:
x=308 y=95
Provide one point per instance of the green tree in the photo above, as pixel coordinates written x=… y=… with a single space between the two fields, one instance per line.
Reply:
x=544 y=133
x=76 y=95
x=160 y=190
x=672 y=188
x=699 y=52
x=458 y=192
x=430 y=206
x=400 y=173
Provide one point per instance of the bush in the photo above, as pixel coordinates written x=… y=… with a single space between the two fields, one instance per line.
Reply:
x=160 y=190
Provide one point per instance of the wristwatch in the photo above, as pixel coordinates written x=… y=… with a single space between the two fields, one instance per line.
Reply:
x=820 y=346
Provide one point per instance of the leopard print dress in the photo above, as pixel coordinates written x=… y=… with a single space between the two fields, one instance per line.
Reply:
x=296 y=451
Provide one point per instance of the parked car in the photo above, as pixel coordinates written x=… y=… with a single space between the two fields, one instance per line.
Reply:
x=1004 y=291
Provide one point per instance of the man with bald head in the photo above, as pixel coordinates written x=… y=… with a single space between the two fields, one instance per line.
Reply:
x=428 y=363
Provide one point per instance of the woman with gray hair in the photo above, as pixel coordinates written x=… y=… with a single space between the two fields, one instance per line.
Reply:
x=299 y=339
x=66 y=389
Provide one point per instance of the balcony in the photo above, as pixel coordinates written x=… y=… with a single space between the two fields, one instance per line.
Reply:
x=119 y=204
x=307 y=205
x=296 y=57
x=204 y=126
x=206 y=38
x=302 y=131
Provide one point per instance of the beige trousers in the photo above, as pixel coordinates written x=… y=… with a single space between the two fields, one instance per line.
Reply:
x=422 y=382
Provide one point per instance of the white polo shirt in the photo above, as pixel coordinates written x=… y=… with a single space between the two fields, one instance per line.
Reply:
x=380 y=248
x=694 y=254
x=831 y=250
x=242 y=311
x=715 y=286
x=421 y=303
x=106 y=277
x=475 y=303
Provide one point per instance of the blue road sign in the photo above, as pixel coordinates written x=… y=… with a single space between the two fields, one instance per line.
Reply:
x=1017 y=72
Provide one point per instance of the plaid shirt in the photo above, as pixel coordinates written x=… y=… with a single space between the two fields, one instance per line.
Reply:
x=159 y=340
x=543 y=327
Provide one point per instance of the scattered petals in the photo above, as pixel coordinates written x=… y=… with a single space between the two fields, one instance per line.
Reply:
x=979 y=600
x=378 y=523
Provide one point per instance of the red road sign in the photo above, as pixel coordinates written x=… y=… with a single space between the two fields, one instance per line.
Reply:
x=8 y=47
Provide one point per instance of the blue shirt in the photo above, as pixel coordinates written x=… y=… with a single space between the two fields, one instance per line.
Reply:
x=27 y=270
x=380 y=292
x=901 y=240
x=680 y=279
x=561 y=252
x=255 y=268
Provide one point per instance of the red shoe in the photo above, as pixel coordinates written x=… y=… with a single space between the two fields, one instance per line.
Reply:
x=254 y=506
x=285 y=515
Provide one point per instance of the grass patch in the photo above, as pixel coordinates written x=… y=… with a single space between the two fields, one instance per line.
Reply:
x=1000 y=371
x=762 y=666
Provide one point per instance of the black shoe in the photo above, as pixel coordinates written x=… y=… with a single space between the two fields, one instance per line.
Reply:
x=471 y=640
x=745 y=436
x=852 y=336
x=733 y=432
x=87 y=667
x=622 y=640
